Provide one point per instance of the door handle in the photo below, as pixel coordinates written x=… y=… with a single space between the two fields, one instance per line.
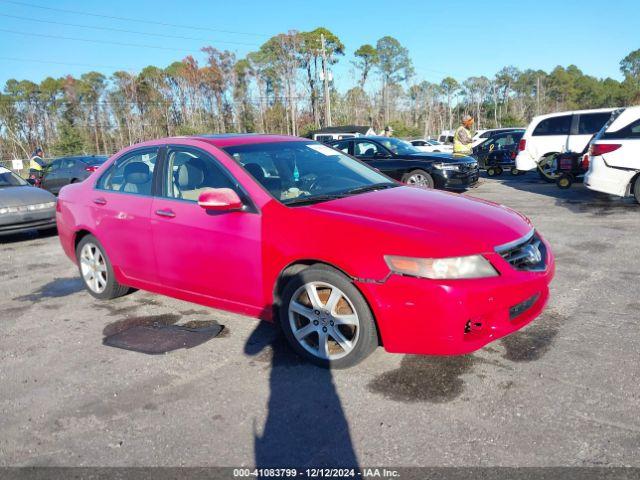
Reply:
x=166 y=213
x=99 y=201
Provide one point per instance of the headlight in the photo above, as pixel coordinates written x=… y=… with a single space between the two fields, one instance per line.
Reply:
x=454 y=268
x=27 y=208
x=445 y=166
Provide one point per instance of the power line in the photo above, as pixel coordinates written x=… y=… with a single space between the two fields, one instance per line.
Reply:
x=30 y=60
x=75 y=39
x=122 y=30
x=138 y=20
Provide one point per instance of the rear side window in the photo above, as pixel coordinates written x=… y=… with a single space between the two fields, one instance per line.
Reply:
x=132 y=173
x=631 y=131
x=553 y=126
x=591 y=123
x=343 y=146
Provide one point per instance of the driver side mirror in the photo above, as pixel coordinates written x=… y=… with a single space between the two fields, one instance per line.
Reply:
x=220 y=200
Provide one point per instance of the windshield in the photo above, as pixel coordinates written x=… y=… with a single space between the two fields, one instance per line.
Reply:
x=303 y=172
x=10 y=179
x=399 y=147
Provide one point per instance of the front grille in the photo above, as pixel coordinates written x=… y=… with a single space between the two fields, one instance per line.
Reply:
x=528 y=253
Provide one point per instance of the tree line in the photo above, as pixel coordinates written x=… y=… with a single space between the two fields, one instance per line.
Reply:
x=286 y=86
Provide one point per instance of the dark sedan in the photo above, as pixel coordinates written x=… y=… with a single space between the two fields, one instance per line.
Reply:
x=499 y=152
x=404 y=162
x=24 y=207
x=66 y=170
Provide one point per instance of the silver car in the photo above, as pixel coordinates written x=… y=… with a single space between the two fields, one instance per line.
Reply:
x=24 y=207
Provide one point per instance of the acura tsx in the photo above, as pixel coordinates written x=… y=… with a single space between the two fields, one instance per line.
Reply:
x=290 y=230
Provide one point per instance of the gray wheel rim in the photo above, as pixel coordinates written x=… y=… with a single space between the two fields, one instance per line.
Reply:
x=324 y=321
x=93 y=267
x=418 y=180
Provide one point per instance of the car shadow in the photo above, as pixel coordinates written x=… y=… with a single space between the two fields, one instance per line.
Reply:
x=306 y=425
x=28 y=235
x=577 y=198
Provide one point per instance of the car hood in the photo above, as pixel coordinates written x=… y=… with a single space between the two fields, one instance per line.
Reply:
x=26 y=195
x=425 y=222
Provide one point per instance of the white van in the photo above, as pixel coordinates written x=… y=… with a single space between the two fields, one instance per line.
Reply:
x=614 y=157
x=548 y=135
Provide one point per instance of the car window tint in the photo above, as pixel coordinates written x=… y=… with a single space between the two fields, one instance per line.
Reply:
x=131 y=173
x=485 y=135
x=55 y=165
x=591 y=123
x=342 y=146
x=69 y=163
x=191 y=172
x=554 y=126
x=366 y=149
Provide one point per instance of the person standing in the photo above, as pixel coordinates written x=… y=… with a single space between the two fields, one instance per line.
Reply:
x=37 y=163
x=463 y=139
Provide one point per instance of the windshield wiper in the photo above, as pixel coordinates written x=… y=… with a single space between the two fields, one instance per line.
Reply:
x=371 y=188
x=313 y=199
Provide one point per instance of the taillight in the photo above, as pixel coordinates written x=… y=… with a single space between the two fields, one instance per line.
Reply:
x=513 y=155
x=598 y=149
x=522 y=145
x=585 y=162
x=91 y=168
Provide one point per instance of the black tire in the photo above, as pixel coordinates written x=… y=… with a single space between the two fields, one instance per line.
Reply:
x=515 y=172
x=428 y=179
x=564 y=181
x=75 y=180
x=543 y=168
x=491 y=172
x=636 y=189
x=498 y=171
x=112 y=289
x=322 y=276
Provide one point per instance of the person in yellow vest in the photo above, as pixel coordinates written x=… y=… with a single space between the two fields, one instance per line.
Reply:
x=37 y=163
x=463 y=138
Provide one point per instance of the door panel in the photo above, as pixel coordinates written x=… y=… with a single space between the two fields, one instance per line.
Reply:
x=551 y=135
x=217 y=255
x=121 y=207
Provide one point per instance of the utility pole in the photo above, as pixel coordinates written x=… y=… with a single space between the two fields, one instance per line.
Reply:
x=325 y=74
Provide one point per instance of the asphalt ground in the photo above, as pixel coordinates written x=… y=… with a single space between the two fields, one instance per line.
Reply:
x=565 y=391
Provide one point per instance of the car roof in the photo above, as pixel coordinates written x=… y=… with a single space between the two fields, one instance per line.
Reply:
x=572 y=112
x=226 y=139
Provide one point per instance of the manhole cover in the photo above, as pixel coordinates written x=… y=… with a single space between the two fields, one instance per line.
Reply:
x=158 y=339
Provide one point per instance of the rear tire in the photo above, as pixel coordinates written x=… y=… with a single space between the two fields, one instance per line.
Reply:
x=491 y=172
x=96 y=270
x=515 y=172
x=564 y=181
x=418 y=178
x=325 y=318
x=636 y=189
x=545 y=166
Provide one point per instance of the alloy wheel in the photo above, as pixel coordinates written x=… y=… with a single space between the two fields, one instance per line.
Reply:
x=418 y=180
x=93 y=267
x=323 y=320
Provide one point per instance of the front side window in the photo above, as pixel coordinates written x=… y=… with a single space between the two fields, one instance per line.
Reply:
x=55 y=165
x=131 y=173
x=306 y=171
x=553 y=126
x=191 y=171
x=591 y=123
x=69 y=163
x=366 y=149
x=343 y=146
x=399 y=147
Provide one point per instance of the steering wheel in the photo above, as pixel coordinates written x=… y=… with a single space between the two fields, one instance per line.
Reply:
x=316 y=184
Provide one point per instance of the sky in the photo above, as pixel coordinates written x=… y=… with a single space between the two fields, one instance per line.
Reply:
x=444 y=38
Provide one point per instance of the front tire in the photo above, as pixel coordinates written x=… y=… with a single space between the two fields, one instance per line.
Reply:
x=96 y=270
x=636 y=189
x=326 y=320
x=418 y=178
x=564 y=181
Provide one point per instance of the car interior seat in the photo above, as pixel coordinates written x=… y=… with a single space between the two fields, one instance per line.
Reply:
x=136 y=178
x=370 y=152
x=191 y=179
x=273 y=184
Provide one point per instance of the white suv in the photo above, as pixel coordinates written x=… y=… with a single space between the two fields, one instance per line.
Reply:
x=614 y=157
x=548 y=135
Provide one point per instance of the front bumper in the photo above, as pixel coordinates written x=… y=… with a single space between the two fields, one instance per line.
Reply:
x=23 y=222
x=421 y=316
x=457 y=180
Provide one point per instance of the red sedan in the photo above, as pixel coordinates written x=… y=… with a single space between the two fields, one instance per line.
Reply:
x=289 y=230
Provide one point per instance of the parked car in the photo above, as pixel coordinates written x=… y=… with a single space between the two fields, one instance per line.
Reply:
x=66 y=170
x=548 y=135
x=288 y=229
x=431 y=146
x=614 y=157
x=481 y=136
x=24 y=207
x=403 y=162
x=498 y=153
